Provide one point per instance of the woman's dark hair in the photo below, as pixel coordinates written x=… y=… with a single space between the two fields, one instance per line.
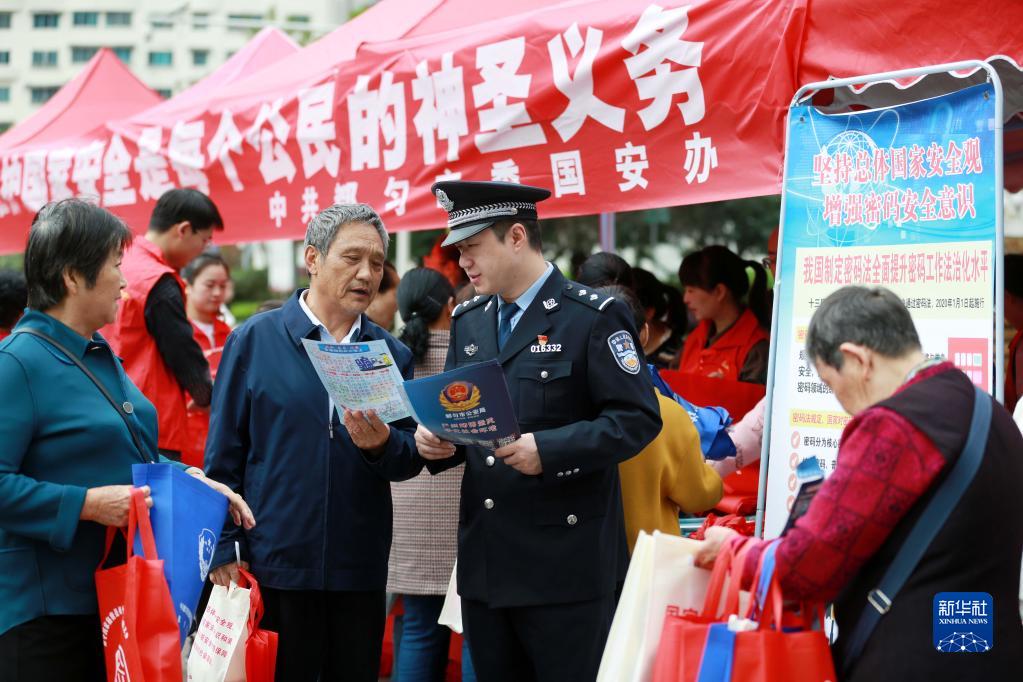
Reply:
x=874 y=318
x=604 y=269
x=716 y=265
x=201 y=262
x=69 y=235
x=422 y=295
x=178 y=205
x=13 y=295
x=650 y=291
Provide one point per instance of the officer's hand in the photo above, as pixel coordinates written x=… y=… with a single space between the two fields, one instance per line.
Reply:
x=432 y=447
x=224 y=575
x=522 y=455
x=368 y=432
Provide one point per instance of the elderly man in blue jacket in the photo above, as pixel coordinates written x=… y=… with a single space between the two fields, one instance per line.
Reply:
x=317 y=481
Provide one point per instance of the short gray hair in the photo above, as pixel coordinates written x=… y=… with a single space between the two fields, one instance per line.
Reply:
x=324 y=227
x=873 y=318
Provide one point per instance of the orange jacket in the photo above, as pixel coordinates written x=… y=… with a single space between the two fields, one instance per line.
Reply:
x=725 y=358
x=199 y=420
x=143 y=265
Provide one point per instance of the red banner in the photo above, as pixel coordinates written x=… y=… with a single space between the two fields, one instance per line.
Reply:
x=612 y=106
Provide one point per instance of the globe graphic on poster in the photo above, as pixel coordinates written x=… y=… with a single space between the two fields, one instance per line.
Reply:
x=851 y=143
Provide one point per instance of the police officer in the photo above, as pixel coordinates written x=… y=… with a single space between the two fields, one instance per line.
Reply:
x=541 y=538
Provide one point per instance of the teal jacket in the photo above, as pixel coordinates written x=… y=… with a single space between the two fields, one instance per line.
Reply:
x=58 y=437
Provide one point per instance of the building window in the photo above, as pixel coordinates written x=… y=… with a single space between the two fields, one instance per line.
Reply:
x=162 y=58
x=45 y=58
x=200 y=57
x=5 y=126
x=80 y=55
x=85 y=19
x=201 y=21
x=5 y=93
x=123 y=53
x=162 y=22
x=41 y=95
x=244 y=22
x=45 y=20
x=298 y=19
x=5 y=19
x=118 y=18
x=5 y=57
x=164 y=92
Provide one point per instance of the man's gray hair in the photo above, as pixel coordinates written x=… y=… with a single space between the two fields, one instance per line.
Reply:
x=323 y=228
x=873 y=318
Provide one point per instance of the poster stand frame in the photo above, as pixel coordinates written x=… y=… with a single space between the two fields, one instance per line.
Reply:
x=999 y=341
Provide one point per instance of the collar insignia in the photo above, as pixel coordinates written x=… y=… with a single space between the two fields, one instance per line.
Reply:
x=549 y=303
x=471 y=349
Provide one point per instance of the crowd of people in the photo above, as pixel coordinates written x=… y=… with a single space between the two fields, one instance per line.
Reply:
x=340 y=515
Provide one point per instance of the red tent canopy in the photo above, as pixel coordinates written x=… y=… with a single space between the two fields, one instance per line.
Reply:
x=103 y=90
x=614 y=106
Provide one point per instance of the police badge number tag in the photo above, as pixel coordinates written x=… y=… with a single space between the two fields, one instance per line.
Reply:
x=623 y=348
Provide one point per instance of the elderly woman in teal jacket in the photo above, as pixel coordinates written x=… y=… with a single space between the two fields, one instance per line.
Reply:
x=65 y=452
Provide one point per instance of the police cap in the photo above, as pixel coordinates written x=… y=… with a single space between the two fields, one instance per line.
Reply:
x=474 y=206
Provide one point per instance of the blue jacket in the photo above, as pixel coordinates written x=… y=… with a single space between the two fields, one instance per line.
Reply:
x=58 y=437
x=322 y=508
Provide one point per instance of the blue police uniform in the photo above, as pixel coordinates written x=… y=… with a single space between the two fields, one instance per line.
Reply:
x=540 y=557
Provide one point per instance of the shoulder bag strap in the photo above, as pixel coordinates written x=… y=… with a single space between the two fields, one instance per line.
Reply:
x=930 y=522
x=103 y=389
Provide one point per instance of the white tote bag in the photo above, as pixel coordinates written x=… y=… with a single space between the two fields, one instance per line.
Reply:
x=662 y=574
x=218 y=652
x=451 y=611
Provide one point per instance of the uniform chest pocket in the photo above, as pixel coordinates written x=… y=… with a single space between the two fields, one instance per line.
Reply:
x=545 y=392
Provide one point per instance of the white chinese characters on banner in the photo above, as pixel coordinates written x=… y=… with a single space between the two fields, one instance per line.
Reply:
x=154 y=175
x=504 y=171
x=397 y=194
x=631 y=161
x=346 y=192
x=10 y=177
x=185 y=152
x=58 y=173
x=278 y=208
x=88 y=169
x=227 y=140
x=567 y=169
x=373 y=114
x=442 y=115
x=275 y=163
x=660 y=32
x=33 y=179
x=117 y=189
x=310 y=204
x=504 y=125
x=578 y=87
x=315 y=130
x=701 y=157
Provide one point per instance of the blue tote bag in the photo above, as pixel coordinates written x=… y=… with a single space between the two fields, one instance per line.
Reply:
x=187 y=517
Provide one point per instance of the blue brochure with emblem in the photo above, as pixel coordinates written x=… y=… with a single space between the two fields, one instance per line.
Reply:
x=468 y=406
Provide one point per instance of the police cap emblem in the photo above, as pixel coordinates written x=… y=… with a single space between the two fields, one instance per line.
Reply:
x=442 y=199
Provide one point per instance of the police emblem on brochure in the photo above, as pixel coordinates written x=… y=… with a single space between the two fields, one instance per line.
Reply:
x=623 y=348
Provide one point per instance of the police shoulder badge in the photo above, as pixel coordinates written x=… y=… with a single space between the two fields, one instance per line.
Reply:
x=623 y=348
x=444 y=201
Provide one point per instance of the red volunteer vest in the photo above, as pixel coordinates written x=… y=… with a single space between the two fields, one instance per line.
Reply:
x=726 y=356
x=142 y=266
x=199 y=420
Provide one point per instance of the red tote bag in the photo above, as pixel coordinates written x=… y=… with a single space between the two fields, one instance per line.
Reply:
x=261 y=645
x=682 y=631
x=139 y=628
